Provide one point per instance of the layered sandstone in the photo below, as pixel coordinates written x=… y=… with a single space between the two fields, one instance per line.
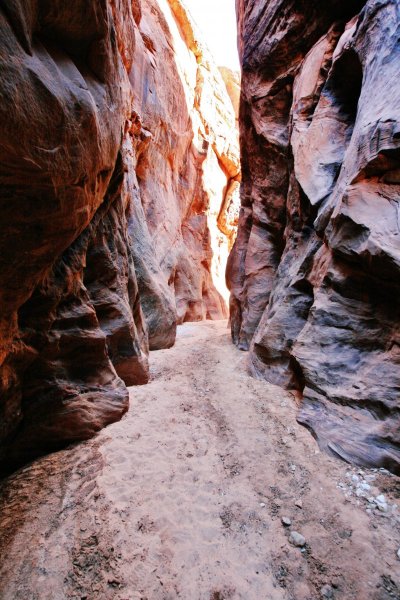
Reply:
x=106 y=158
x=188 y=161
x=314 y=273
x=63 y=216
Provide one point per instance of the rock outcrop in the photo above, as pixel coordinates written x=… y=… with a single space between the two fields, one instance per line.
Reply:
x=314 y=273
x=108 y=151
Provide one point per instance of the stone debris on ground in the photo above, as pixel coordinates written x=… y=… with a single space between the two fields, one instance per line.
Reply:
x=362 y=486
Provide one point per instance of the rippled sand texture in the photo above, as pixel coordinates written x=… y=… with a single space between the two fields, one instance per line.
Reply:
x=184 y=497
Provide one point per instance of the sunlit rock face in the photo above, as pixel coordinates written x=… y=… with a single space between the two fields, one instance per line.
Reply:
x=106 y=199
x=188 y=159
x=314 y=273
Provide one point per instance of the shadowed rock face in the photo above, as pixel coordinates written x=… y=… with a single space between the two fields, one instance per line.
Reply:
x=62 y=216
x=98 y=215
x=314 y=273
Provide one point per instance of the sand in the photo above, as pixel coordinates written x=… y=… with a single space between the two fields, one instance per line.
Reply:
x=184 y=498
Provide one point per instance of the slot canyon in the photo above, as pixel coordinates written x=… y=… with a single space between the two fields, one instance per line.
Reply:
x=199 y=300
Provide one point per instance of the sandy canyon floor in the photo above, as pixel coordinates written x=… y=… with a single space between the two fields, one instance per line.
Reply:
x=184 y=498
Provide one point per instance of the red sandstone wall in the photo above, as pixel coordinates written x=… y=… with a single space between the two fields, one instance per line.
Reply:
x=105 y=207
x=314 y=273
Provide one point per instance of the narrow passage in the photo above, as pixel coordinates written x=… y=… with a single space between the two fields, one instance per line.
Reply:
x=184 y=498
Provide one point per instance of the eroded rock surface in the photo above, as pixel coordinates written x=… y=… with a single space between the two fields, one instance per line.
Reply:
x=106 y=205
x=188 y=161
x=314 y=273
x=62 y=216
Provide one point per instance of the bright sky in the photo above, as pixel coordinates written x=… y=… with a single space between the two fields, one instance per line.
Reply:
x=217 y=20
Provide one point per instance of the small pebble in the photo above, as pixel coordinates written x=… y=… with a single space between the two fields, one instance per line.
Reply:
x=262 y=504
x=327 y=591
x=398 y=553
x=365 y=487
x=299 y=504
x=297 y=539
x=381 y=503
x=286 y=521
x=355 y=478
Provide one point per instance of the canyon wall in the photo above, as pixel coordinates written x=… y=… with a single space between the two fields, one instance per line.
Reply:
x=187 y=161
x=116 y=161
x=314 y=273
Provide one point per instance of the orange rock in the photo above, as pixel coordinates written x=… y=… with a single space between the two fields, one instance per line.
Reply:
x=117 y=145
x=185 y=169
